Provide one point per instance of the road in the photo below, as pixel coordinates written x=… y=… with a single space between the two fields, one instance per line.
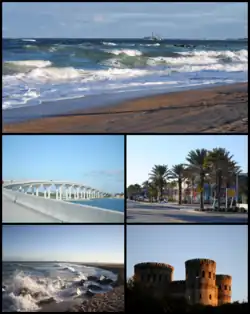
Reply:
x=13 y=212
x=168 y=213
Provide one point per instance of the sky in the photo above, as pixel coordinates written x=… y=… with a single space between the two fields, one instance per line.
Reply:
x=125 y=20
x=69 y=243
x=93 y=160
x=227 y=245
x=143 y=152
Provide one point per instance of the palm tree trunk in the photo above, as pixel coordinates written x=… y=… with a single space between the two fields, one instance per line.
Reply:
x=202 y=192
x=219 y=189
x=180 y=192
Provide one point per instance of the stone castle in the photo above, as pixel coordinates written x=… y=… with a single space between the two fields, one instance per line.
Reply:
x=202 y=285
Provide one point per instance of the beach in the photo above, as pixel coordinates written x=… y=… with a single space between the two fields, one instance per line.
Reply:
x=222 y=109
x=61 y=286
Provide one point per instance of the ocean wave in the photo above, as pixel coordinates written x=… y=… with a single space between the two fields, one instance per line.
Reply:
x=108 y=43
x=31 y=40
x=26 y=292
x=129 y=52
x=150 y=45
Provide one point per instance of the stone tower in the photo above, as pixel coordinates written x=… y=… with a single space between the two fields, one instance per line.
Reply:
x=155 y=276
x=224 y=284
x=201 y=282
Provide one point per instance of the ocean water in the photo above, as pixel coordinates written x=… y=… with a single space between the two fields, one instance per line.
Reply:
x=37 y=71
x=26 y=284
x=116 y=204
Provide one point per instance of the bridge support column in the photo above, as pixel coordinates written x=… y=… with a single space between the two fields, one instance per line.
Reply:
x=49 y=192
x=44 y=193
x=70 y=193
x=81 y=193
x=56 y=194
x=77 y=193
x=60 y=194
x=37 y=191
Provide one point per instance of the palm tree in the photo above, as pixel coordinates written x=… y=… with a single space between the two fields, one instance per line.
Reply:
x=178 y=172
x=222 y=168
x=197 y=160
x=159 y=176
x=171 y=185
x=191 y=178
x=133 y=189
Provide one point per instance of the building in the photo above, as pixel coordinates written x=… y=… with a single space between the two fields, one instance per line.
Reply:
x=201 y=286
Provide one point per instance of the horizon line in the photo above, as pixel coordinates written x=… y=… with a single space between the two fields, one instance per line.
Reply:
x=172 y=38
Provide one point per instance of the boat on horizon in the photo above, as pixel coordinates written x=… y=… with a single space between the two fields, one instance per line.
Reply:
x=153 y=37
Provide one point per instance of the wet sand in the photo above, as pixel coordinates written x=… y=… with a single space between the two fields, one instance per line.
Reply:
x=222 y=109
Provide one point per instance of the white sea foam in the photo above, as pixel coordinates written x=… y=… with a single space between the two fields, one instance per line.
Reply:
x=108 y=43
x=129 y=52
x=150 y=45
x=32 y=40
x=31 y=63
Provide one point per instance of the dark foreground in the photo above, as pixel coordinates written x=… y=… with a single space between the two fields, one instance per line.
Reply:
x=140 y=299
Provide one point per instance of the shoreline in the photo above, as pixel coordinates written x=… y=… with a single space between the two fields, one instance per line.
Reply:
x=222 y=109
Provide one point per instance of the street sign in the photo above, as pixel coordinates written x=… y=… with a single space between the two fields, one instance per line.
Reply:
x=230 y=193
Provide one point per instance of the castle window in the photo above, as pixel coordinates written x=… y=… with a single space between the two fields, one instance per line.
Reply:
x=214 y=276
x=203 y=274
x=210 y=297
x=229 y=288
x=219 y=287
x=209 y=274
x=200 y=296
x=225 y=287
x=197 y=274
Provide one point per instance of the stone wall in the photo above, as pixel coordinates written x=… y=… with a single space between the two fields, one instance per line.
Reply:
x=224 y=284
x=202 y=285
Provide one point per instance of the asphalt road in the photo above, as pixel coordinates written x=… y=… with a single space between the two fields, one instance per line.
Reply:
x=12 y=212
x=168 y=213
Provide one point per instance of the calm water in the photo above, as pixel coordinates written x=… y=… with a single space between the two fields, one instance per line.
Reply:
x=44 y=280
x=44 y=70
x=107 y=203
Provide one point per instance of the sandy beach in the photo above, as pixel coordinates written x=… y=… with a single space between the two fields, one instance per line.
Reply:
x=221 y=109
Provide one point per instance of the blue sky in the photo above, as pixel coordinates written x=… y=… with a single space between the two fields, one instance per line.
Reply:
x=227 y=245
x=96 y=161
x=121 y=19
x=143 y=152
x=64 y=243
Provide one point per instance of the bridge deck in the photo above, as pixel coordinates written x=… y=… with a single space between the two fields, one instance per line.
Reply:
x=16 y=213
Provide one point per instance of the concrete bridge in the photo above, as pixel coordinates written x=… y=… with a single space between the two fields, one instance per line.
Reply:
x=59 y=190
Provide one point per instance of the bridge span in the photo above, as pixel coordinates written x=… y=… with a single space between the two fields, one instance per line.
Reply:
x=59 y=190
x=49 y=201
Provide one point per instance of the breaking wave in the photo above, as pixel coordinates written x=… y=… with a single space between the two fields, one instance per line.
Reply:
x=50 y=70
